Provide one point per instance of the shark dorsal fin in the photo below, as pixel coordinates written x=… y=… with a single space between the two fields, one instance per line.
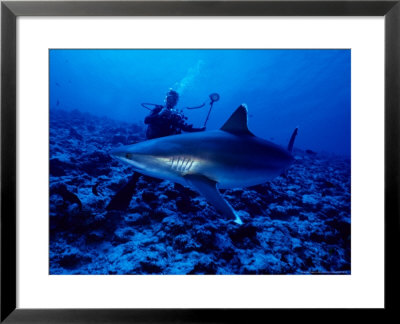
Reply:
x=237 y=123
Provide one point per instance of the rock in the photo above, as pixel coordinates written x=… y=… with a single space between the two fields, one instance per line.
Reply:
x=185 y=205
x=141 y=208
x=121 y=236
x=94 y=170
x=58 y=168
x=204 y=267
x=303 y=216
x=74 y=210
x=317 y=236
x=150 y=268
x=95 y=164
x=137 y=219
x=61 y=190
x=310 y=200
x=279 y=212
x=74 y=134
x=119 y=139
x=310 y=152
x=132 y=139
x=184 y=243
x=342 y=227
x=72 y=261
x=95 y=237
x=91 y=128
x=329 y=211
x=185 y=191
x=173 y=226
x=206 y=238
x=291 y=193
x=244 y=216
x=242 y=232
x=158 y=214
x=236 y=192
x=172 y=194
x=327 y=184
x=148 y=196
x=227 y=254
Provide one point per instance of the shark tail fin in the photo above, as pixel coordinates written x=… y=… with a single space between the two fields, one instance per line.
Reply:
x=292 y=138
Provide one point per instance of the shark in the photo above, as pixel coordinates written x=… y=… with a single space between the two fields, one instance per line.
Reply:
x=230 y=157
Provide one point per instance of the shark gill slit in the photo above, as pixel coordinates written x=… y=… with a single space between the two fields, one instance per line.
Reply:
x=186 y=165
x=171 y=161
x=190 y=166
x=175 y=163
x=181 y=163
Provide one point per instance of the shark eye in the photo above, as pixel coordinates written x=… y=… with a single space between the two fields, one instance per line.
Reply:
x=128 y=156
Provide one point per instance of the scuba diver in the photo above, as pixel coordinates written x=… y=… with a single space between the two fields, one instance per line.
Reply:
x=162 y=121
x=166 y=120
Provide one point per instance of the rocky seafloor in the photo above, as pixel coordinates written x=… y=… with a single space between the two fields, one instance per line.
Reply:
x=299 y=223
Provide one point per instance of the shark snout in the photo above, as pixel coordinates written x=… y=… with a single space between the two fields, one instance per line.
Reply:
x=121 y=154
x=117 y=152
x=124 y=154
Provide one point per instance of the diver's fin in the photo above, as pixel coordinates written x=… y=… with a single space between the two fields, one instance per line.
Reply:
x=292 y=138
x=237 y=123
x=208 y=188
x=123 y=197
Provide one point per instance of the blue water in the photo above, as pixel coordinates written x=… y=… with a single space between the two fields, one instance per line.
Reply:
x=297 y=223
x=283 y=89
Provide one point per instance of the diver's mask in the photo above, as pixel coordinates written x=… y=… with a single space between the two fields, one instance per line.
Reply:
x=171 y=98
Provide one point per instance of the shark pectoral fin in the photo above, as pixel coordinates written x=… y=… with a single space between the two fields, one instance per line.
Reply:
x=208 y=188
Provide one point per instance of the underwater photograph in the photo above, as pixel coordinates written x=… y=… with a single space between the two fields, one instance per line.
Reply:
x=199 y=161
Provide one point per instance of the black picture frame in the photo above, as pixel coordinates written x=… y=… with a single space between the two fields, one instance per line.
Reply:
x=10 y=10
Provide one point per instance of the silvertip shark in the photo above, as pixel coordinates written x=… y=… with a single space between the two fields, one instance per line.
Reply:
x=231 y=157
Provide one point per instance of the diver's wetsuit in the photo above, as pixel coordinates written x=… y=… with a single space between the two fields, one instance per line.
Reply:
x=172 y=124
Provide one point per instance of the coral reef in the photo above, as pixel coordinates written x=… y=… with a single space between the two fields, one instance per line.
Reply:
x=299 y=223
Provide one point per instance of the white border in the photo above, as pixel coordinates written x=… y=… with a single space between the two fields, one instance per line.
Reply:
x=363 y=288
